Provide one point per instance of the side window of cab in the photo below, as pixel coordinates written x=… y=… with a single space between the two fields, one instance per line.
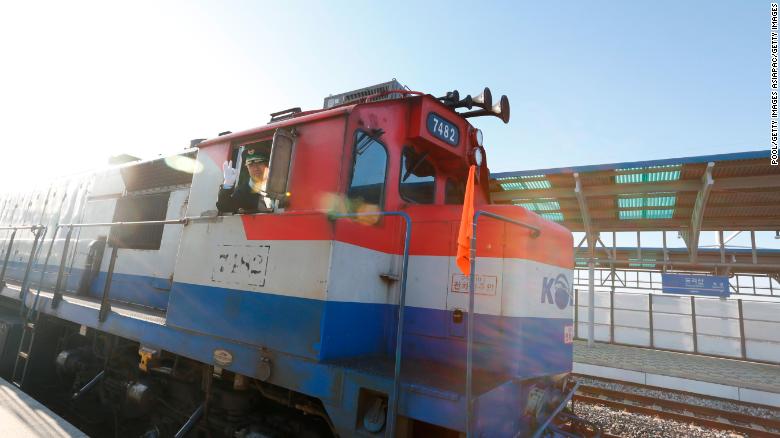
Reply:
x=369 y=169
x=418 y=177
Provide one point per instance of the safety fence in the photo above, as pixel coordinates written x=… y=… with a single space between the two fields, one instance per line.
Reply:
x=733 y=328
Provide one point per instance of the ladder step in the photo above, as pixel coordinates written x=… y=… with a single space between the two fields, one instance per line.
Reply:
x=24 y=355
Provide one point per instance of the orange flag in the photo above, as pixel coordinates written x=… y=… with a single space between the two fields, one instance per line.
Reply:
x=463 y=259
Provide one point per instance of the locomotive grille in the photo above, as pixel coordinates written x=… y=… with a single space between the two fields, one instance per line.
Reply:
x=354 y=95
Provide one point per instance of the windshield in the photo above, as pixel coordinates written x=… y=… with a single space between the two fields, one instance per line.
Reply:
x=418 y=177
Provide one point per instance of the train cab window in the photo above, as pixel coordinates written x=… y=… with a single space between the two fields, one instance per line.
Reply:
x=368 y=172
x=418 y=180
x=247 y=193
x=454 y=191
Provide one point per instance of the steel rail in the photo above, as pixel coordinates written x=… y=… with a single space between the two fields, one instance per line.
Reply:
x=678 y=411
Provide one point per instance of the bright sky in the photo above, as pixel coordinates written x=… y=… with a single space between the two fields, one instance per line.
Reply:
x=589 y=82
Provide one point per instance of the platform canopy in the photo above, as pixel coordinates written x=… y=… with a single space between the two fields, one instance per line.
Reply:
x=739 y=191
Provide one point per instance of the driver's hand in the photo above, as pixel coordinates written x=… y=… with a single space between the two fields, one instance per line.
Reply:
x=229 y=175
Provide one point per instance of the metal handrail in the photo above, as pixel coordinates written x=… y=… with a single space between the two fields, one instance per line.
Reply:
x=392 y=409
x=36 y=230
x=535 y=232
x=564 y=401
x=21 y=227
x=105 y=305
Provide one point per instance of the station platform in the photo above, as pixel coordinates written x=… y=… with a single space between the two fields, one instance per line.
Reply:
x=706 y=375
x=23 y=416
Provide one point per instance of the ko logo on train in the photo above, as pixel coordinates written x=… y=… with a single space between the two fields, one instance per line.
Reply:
x=556 y=290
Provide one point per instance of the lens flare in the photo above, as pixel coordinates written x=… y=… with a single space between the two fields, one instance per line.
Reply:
x=184 y=164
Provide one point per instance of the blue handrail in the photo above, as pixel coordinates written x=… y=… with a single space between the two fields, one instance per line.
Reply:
x=535 y=232
x=392 y=409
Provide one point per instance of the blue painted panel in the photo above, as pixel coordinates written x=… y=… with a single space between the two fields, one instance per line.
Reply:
x=279 y=322
x=692 y=284
x=234 y=320
x=357 y=329
x=138 y=289
x=523 y=347
x=500 y=411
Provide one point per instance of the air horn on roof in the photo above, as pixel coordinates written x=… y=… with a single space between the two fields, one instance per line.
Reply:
x=500 y=110
x=484 y=100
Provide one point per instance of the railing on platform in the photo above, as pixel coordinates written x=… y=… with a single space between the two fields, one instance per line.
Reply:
x=733 y=328
x=535 y=232
x=636 y=279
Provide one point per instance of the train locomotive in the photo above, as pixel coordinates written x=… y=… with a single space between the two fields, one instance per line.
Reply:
x=335 y=308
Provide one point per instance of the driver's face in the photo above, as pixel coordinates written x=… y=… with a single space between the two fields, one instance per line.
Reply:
x=257 y=169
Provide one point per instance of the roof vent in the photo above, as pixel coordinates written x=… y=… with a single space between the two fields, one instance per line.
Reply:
x=355 y=95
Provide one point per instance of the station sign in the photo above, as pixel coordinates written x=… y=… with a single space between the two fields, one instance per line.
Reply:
x=695 y=284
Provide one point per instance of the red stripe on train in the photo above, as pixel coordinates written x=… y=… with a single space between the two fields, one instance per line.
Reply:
x=434 y=233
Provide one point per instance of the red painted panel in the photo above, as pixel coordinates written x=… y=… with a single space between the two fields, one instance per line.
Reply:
x=431 y=233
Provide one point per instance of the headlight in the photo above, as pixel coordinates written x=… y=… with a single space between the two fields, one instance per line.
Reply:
x=477 y=156
x=477 y=138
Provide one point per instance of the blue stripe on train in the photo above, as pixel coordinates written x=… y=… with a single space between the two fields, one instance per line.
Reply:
x=131 y=288
x=330 y=330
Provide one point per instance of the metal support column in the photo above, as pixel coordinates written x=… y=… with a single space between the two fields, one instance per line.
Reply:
x=591 y=294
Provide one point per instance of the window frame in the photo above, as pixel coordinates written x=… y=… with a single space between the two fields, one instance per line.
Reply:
x=139 y=237
x=447 y=184
x=383 y=197
x=400 y=177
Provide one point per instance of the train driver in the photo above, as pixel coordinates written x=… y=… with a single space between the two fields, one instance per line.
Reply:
x=235 y=197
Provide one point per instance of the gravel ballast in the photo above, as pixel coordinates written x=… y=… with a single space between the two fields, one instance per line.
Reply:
x=725 y=405
x=631 y=425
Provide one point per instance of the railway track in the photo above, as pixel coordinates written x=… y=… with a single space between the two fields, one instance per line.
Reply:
x=683 y=412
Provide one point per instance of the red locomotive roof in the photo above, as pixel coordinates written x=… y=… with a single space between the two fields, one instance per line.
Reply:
x=307 y=116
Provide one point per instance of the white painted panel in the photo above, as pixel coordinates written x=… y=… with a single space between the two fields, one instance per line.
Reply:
x=609 y=372
x=631 y=318
x=631 y=301
x=719 y=345
x=108 y=182
x=758 y=350
x=487 y=299
x=295 y=268
x=355 y=275
x=601 y=298
x=707 y=325
x=668 y=321
x=697 y=386
x=671 y=304
x=673 y=341
x=632 y=336
x=760 y=397
x=600 y=332
x=523 y=294
x=601 y=316
x=716 y=307
x=761 y=310
x=427 y=282
x=205 y=184
x=762 y=331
